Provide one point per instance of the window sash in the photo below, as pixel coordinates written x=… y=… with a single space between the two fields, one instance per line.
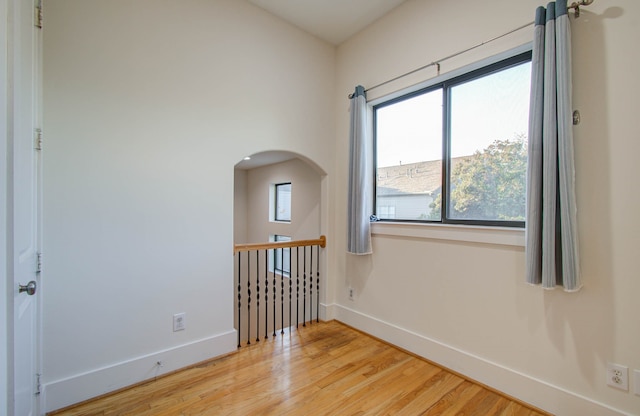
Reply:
x=446 y=168
x=282 y=202
x=282 y=256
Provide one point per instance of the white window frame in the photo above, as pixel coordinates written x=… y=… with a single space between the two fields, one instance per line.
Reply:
x=427 y=86
x=274 y=202
x=499 y=236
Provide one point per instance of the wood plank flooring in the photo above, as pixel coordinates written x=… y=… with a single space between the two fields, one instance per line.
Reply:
x=322 y=369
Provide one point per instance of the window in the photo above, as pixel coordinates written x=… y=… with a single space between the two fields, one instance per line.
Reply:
x=283 y=202
x=282 y=256
x=387 y=211
x=456 y=152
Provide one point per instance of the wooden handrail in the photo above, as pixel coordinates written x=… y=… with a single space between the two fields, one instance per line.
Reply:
x=322 y=242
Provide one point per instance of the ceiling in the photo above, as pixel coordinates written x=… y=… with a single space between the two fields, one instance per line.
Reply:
x=263 y=159
x=331 y=20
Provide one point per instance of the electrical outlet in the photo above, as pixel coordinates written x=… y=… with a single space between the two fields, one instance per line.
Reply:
x=636 y=382
x=351 y=293
x=618 y=376
x=179 y=322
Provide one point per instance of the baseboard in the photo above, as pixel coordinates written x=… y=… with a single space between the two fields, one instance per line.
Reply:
x=78 y=388
x=521 y=386
x=327 y=312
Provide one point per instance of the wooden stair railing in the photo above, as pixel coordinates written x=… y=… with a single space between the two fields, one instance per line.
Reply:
x=256 y=264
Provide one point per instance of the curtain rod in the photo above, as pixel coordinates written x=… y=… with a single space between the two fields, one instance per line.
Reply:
x=575 y=5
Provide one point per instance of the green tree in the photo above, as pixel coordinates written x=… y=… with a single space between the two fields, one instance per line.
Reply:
x=490 y=184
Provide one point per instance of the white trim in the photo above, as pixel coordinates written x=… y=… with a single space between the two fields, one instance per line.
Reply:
x=536 y=392
x=80 y=387
x=38 y=123
x=7 y=297
x=327 y=312
x=467 y=233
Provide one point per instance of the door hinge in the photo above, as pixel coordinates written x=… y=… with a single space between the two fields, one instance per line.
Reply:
x=38 y=140
x=38 y=375
x=38 y=262
x=38 y=16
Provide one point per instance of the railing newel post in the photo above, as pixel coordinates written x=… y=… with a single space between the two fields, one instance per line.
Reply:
x=318 y=285
x=239 y=298
x=297 y=285
x=304 y=286
x=274 y=294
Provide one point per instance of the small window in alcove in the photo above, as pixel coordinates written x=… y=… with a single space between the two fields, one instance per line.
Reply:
x=283 y=202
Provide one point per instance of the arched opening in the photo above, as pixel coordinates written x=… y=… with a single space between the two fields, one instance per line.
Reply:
x=254 y=197
x=278 y=196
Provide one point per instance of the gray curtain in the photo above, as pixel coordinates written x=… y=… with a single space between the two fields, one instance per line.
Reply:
x=551 y=225
x=360 y=177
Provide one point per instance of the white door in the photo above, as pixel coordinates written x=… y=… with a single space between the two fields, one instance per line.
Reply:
x=23 y=119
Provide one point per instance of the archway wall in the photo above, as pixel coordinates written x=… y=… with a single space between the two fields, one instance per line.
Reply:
x=253 y=201
x=142 y=140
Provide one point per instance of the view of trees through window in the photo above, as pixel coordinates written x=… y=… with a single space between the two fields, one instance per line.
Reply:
x=490 y=184
x=467 y=136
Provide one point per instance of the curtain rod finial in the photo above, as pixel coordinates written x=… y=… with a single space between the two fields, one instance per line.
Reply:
x=576 y=6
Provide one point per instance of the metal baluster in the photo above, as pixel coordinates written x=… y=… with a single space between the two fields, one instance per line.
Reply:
x=290 y=289
x=266 y=294
x=257 y=296
x=248 y=298
x=275 y=253
x=239 y=299
x=304 y=286
x=318 y=285
x=282 y=291
x=311 y=285
x=297 y=284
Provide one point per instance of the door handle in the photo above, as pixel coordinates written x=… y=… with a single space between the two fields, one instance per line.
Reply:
x=30 y=288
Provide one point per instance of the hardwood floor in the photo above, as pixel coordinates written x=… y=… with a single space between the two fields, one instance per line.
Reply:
x=322 y=369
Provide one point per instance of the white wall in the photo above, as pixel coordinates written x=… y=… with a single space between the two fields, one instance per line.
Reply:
x=465 y=304
x=240 y=203
x=148 y=107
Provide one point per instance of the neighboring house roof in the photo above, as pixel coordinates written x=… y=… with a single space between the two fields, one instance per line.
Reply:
x=412 y=178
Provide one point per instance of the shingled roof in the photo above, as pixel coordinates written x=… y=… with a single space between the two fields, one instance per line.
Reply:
x=412 y=178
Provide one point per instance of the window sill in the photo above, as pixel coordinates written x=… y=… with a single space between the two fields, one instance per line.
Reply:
x=466 y=233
